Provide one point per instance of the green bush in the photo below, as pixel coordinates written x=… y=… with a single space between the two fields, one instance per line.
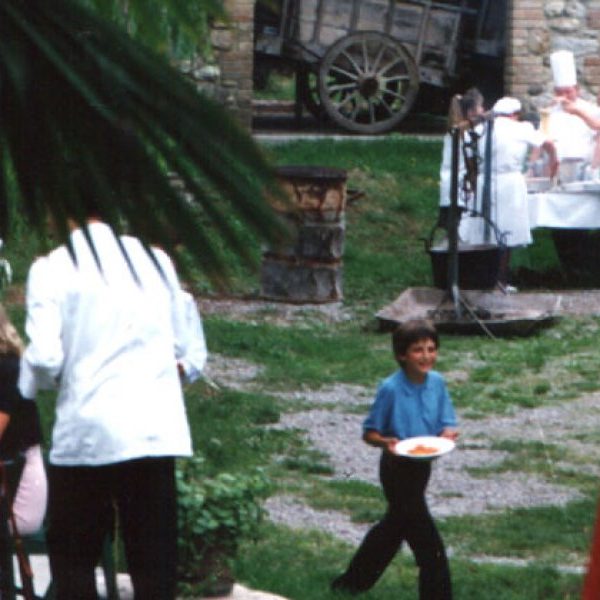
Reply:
x=214 y=515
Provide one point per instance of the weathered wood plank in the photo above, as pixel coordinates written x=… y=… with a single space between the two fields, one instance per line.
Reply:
x=328 y=20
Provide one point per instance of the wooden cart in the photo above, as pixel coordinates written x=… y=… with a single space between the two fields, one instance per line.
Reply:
x=362 y=62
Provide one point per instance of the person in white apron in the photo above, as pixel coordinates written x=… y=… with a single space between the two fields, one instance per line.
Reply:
x=571 y=122
x=512 y=143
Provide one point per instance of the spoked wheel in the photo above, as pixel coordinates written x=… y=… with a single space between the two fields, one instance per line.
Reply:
x=307 y=80
x=368 y=82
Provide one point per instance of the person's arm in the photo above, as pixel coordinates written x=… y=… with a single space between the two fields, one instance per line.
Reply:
x=191 y=363
x=374 y=438
x=379 y=419
x=539 y=144
x=189 y=350
x=4 y=420
x=449 y=432
x=590 y=119
x=42 y=361
x=550 y=149
x=447 y=423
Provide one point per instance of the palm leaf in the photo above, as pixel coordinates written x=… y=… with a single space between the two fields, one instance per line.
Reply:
x=90 y=117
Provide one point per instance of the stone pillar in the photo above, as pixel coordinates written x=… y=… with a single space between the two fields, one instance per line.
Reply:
x=538 y=27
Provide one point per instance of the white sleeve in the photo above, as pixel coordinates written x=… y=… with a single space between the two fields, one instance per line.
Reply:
x=195 y=351
x=532 y=136
x=189 y=342
x=43 y=358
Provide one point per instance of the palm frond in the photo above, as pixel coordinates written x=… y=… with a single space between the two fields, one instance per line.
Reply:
x=90 y=117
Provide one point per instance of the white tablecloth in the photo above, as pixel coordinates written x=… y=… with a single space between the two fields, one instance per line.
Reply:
x=575 y=210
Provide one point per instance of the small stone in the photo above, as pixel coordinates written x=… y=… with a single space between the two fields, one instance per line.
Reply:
x=554 y=9
x=208 y=73
x=565 y=25
x=575 y=9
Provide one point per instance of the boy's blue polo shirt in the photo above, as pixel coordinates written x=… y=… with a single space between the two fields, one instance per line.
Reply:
x=403 y=409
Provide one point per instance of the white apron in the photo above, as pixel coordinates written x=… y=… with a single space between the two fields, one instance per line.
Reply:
x=509 y=211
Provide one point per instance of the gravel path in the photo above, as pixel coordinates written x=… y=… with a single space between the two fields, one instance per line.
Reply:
x=333 y=427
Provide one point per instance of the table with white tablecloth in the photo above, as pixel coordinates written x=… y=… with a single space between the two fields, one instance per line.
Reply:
x=565 y=210
x=573 y=217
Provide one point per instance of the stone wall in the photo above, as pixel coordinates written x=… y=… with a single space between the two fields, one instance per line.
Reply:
x=227 y=76
x=538 y=27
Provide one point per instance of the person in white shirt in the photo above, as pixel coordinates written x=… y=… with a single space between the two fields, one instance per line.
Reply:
x=590 y=115
x=463 y=108
x=109 y=329
x=512 y=143
x=571 y=119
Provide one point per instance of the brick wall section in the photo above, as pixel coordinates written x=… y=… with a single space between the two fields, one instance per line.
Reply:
x=538 y=27
x=227 y=75
x=233 y=44
x=527 y=43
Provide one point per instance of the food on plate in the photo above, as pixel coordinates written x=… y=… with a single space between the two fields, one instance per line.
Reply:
x=422 y=450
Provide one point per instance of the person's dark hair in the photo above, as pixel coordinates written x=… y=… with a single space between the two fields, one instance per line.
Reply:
x=412 y=331
x=461 y=105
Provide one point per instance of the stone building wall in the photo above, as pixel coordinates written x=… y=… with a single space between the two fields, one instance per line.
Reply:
x=227 y=76
x=538 y=27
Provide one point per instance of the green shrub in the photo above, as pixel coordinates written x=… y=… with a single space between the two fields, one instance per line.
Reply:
x=214 y=515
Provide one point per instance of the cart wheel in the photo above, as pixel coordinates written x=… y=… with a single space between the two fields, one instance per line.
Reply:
x=368 y=82
x=307 y=80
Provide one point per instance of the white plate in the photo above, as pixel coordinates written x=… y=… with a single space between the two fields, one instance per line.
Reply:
x=441 y=445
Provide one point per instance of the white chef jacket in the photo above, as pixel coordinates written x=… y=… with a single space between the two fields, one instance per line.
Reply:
x=572 y=137
x=509 y=209
x=195 y=351
x=111 y=345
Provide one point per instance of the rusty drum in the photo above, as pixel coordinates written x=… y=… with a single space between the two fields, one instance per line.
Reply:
x=309 y=269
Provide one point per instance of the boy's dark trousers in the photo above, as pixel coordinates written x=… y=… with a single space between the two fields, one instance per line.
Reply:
x=407 y=518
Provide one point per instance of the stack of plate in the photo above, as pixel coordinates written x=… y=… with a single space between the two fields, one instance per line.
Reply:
x=538 y=184
x=581 y=186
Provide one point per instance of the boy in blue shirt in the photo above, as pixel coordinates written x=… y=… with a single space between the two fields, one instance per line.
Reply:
x=411 y=402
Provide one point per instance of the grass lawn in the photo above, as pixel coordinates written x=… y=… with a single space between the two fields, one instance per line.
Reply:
x=384 y=254
x=301 y=565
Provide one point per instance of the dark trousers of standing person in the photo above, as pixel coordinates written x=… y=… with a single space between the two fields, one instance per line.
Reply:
x=407 y=518
x=83 y=504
